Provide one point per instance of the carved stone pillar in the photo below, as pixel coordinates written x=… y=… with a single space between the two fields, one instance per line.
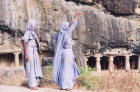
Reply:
x=98 y=65
x=111 y=65
x=127 y=63
x=16 y=58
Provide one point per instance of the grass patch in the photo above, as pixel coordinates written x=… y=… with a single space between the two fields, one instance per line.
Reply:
x=46 y=81
x=88 y=80
x=116 y=81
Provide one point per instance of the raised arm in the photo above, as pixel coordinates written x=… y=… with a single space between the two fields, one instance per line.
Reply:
x=72 y=27
x=77 y=15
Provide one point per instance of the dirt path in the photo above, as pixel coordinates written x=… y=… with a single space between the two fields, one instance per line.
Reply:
x=4 y=88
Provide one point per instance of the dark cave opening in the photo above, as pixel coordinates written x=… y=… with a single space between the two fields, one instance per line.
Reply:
x=104 y=63
x=6 y=60
x=46 y=57
x=133 y=62
x=91 y=62
x=119 y=62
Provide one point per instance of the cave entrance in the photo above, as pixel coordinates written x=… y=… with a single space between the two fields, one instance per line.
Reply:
x=134 y=62
x=46 y=57
x=20 y=59
x=6 y=60
x=119 y=62
x=91 y=62
x=104 y=63
x=9 y=60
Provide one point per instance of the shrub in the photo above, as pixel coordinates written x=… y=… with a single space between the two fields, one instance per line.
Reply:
x=88 y=80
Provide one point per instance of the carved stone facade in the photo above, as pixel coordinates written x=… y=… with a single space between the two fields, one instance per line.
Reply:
x=10 y=50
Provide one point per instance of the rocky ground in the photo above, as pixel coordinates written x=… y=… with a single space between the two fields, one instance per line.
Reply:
x=24 y=89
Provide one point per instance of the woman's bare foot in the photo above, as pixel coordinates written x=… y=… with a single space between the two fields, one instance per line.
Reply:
x=66 y=89
x=33 y=88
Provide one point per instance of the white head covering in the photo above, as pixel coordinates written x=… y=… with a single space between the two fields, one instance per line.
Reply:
x=64 y=26
x=30 y=25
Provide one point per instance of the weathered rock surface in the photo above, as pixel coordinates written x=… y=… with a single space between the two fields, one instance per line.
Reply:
x=12 y=76
x=121 y=6
x=47 y=61
x=84 y=1
x=115 y=6
x=95 y=32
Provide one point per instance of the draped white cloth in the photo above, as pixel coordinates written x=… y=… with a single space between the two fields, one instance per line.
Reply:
x=32 y=66
x=65 y=70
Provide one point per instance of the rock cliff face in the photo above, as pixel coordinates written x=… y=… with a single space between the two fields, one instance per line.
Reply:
x=121 y=6
x=115 y=6
x=96 y=31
